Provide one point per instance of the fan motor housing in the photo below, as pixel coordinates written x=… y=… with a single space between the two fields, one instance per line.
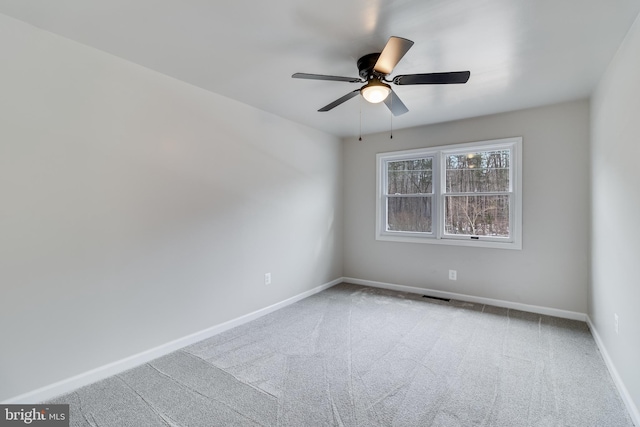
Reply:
x=366 y=64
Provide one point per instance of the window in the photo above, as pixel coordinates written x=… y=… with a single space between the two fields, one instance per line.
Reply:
x=465 y=194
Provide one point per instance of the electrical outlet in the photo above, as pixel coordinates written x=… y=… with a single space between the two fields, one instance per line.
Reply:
x=615 y=322
x=267 y=278
x=453 y=275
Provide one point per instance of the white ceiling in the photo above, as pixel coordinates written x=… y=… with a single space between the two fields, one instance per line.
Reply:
x=521 y=53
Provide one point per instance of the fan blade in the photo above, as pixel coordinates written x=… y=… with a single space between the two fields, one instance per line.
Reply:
x=323 y=77
x=339 y=101
x=392 y=53
x=433 y=78
x=395 y=105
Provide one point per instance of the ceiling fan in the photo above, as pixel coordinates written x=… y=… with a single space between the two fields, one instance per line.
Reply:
x=374 y=69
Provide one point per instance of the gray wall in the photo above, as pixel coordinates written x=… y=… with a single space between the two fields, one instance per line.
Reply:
x=136 y=209
x=551 y=270
x=615 y=226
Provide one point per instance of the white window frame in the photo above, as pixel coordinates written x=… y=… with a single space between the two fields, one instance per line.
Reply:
x=437 y=234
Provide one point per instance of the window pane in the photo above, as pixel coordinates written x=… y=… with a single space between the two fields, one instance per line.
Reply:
x=477 y=215
x=413 y=176
x=409 y=214
x=478 y=172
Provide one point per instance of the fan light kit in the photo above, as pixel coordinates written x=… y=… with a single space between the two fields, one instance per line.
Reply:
x=374 y=69
x=375 y=91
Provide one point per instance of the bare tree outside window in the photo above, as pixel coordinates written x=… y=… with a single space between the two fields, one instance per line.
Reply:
x=410 y=189
x=477 y=193
x=467 y=194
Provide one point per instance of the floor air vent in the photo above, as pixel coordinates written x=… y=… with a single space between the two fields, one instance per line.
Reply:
x=439 y=299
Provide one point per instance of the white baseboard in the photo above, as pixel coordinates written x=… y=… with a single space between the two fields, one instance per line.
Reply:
x=622 y=389
x=469 y=298
x=68 y=385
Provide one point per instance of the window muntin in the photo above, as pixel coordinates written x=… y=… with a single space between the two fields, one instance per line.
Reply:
x=465 y=194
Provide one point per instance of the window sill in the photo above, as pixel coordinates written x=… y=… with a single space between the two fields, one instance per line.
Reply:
x=392 y=237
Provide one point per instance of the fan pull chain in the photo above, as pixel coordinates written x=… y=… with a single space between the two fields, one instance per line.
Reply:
x=391 y=111
x=360 y=137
